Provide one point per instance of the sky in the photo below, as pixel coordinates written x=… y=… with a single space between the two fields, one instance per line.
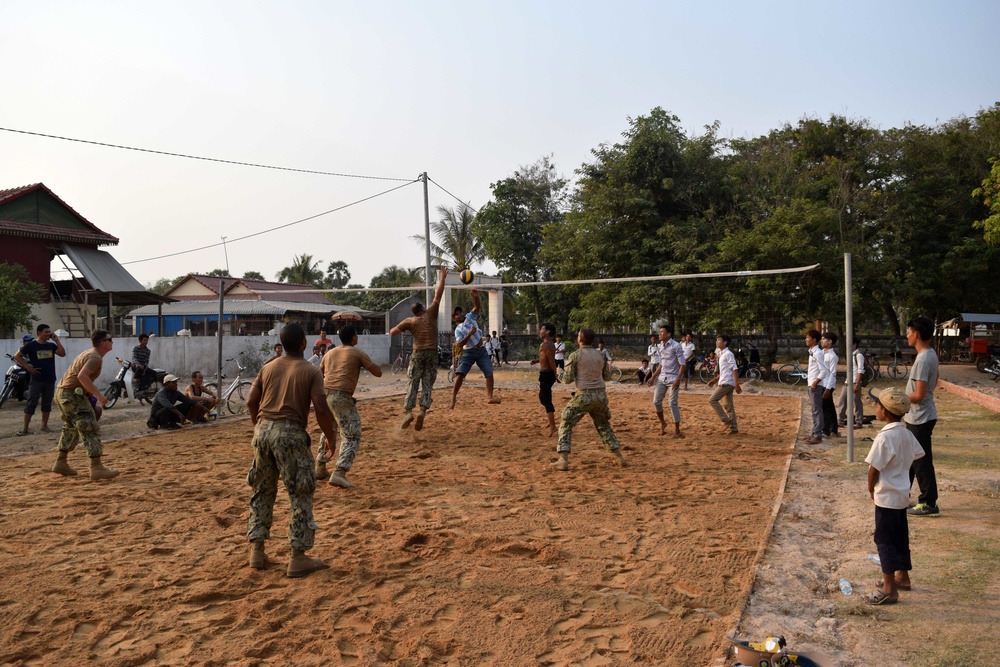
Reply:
x=467 y=92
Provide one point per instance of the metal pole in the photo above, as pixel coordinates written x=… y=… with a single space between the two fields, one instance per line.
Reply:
x=226 y=253
x=427 y=245
x=222 y=299
x=849 y=323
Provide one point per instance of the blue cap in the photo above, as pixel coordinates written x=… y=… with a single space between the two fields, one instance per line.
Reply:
x=26 y=337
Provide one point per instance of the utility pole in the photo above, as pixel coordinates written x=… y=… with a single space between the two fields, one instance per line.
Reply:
x=427 y=243
x=226 y=253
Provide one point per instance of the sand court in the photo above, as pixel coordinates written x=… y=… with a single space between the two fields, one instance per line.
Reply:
x=460 y=546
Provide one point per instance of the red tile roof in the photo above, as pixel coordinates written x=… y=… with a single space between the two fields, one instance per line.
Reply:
x=36 y=230
x=266 y=288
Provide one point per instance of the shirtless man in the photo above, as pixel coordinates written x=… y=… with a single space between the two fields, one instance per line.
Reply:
x=547 y=373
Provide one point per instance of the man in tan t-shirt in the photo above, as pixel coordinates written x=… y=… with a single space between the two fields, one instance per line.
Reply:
x=341 y=369
x=422 y=371
x=76 y=396
x=279 y=409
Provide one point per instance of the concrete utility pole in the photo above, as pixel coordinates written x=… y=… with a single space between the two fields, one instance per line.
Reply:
x=427 y=243
x=849 y=325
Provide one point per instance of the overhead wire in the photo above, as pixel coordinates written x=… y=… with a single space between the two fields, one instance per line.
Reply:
x=272 y=229
x=206 y=159
x=448 y=193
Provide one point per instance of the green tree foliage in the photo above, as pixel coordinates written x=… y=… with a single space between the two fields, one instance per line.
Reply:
x=218 y=273
x=457 y=245
x=989 y=193
x=391 y=276
x=17 y=294
x=337 y=275
x=511 y=226
x=163 y=285
x=303 y=271
x=254 y=275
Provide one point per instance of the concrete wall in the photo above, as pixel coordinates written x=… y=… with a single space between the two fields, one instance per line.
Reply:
x=181 y=355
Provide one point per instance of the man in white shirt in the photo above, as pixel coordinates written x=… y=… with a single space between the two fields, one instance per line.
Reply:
x=831 y=360
x=687 y=344
x=653 y=352
x=728 y=380
x=816 y=378
x=560 y=352
x=855 y=386
x=672 y=369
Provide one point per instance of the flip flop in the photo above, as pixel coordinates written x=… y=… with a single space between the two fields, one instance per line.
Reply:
x=878 y=597
x=878 y=584
x=23 y=432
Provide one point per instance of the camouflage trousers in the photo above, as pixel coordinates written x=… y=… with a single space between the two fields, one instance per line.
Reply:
x=281 y=449
x=422 y=372
x=79 y=423
x=346 y=420
x=595 y=403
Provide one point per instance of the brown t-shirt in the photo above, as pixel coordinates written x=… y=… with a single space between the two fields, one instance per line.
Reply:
x=90 y=360
x=424 y=328
x=287 y=386
x=341 y=368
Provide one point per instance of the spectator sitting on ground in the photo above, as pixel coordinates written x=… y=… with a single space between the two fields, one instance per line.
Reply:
x=198 y=392
x=644 y=372
x=171 y=408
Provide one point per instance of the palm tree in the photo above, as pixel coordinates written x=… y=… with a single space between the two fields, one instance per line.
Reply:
x=458 y=247
x=303 y=271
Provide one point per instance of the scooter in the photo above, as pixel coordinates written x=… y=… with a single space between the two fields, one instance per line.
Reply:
x=15 y=382
x=144 y=392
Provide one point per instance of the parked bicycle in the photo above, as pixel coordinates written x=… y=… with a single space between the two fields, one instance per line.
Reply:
x=707 y=368
x=792 y=374
x=234 y=397
x=401 y=362
x=896 y=368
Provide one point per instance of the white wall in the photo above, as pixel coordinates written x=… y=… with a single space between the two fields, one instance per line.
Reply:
x=181 y=355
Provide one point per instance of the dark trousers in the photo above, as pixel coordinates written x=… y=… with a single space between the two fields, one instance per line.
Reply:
x=829 y=415
x=892 y=537
x=922 y=469
x=545 y=381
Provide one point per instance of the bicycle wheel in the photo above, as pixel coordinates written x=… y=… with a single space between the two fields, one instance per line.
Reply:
x=896 y=370
x=868 y=376
x=788 y=374
x=6 y=392
x=753 y=373
x=397 y=366
x=706 y=373
x=616 y=374
x=237 y=403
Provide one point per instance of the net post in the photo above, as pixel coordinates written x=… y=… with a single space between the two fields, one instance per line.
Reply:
x=849 y=323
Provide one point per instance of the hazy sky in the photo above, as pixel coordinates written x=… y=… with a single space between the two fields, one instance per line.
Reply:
x=465 y=91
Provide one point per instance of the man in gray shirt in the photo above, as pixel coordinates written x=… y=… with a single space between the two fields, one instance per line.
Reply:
x=922 y=417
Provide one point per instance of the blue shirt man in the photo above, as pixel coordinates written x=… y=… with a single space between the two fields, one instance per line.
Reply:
x=469 y=336
x=38 y=357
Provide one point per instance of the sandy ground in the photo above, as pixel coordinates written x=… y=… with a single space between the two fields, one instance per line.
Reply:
x=461 y=546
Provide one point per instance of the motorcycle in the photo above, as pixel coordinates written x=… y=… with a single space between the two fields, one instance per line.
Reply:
x=15 y=382
x=992 y=367
x=144 y=391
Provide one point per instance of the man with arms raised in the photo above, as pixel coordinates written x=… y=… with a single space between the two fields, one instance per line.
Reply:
x=279 y=410
x=422 y=371
x=470 y=337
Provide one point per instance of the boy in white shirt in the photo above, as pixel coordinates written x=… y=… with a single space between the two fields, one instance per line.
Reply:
x=893 y=452
x=855 y=386
x=831 y=360
x=728 y=380
x=817 y=375
x=687 y=345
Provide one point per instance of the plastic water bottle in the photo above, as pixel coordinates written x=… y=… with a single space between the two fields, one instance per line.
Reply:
x=875 y=559
x=845 y=587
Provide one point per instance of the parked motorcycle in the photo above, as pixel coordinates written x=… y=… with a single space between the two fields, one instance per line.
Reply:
x=144 y=392
x=15 y=382
x=992 y=366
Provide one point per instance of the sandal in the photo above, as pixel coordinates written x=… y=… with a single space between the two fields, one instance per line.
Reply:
x=878 y=584
x=878 y=597
x=45 y=429
x=23 y=432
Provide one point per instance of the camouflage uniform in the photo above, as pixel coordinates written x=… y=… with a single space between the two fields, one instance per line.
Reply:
x=422 y=372
x=281 y=448
x=79 y=422
x=348 y=421
x=594 y=402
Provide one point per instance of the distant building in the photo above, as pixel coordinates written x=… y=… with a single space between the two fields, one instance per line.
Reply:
x=36 y=227
x=253 y=306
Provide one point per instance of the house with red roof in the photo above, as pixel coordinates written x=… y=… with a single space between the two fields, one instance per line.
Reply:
x=61 y=250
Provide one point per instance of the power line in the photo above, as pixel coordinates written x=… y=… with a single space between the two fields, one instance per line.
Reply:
x=456 y=198
x=272 y=229
x=206 y=159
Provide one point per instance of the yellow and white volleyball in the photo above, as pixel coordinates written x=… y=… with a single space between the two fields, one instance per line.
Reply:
x=466 y=276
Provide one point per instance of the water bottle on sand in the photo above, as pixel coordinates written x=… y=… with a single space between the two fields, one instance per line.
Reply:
x=845 y=587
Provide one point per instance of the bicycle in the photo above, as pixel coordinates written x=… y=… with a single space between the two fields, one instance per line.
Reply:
x=234 y=397
x=872 y=364
x=896 y=368
x=401 y=362
x=792 y=374
x=707 y=368
x=616 y=373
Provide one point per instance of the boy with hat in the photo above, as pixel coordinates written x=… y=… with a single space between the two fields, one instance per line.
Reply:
x=892 y=453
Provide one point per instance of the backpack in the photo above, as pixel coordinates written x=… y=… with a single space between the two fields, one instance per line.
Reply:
x=865 y=375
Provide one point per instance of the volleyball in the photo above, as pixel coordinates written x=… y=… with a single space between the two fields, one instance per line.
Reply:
x=466 y=276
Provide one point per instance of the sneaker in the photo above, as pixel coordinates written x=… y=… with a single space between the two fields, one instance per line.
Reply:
x=173 y=426
x=923 y=509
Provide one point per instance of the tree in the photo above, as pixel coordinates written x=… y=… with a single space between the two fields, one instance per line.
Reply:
x=254 y=275
x=511 y=225
x=337 y=275
x=17 y=294
x=303 y=271
x=219 y=273
x=163 y=285
x=458 y=245
x=989 y=193
x=391 y=276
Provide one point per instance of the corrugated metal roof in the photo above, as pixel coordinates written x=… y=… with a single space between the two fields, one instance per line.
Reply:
x=981 y=318
x=101 y=270
x=242 y=307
